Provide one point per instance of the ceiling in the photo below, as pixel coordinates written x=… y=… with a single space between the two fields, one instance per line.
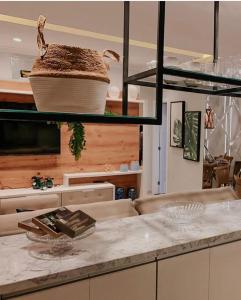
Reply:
x=188 y=26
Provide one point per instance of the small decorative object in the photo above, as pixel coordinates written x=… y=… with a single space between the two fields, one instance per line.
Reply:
x=51 y=248
x=108 y=167
x=69 y=79
x=131 y=193
x=192 y=135
x=58 y=229
x=177 y=124
x=133 y=92
x=124 y=167
x=208 y=156
x=49 y=182
x=62 y=220
x=24 y=73
x=134 y=165
x=193 y=66
x=114 y=92
x=184 y=212
x=151 y=64
x=209 y=118
x=192 y=82
x=171 y=61
x=37 y=182
x=119 y=193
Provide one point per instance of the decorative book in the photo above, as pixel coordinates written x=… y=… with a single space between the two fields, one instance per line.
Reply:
x=29 y=226
x=47 y=221
x=75 y=223
x=63 y=221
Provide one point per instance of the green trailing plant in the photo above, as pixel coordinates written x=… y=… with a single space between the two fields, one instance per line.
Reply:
x=77 y=140
x=110 y=113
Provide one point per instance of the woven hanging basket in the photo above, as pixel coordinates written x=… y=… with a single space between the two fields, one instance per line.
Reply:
x=69 y=79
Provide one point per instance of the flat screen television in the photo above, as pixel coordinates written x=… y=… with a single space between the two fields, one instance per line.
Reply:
x=29 y=137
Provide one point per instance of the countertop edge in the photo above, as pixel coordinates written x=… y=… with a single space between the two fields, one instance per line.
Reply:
x=86 y=272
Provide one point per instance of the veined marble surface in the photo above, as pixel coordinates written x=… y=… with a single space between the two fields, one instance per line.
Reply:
x=116 y=244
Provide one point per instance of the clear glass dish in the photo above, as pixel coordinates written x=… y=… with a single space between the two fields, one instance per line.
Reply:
x=60 y=245
x=184 y=212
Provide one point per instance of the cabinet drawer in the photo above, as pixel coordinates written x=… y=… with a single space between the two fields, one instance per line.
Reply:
x=138 y=283
x=184 y=277
x=87 y=196
x=74 y=291
x=225 y=272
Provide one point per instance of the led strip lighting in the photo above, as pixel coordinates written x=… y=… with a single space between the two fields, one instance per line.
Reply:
x=105 y=37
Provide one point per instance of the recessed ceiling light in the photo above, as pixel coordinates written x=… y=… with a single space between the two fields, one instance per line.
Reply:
x=18 y=40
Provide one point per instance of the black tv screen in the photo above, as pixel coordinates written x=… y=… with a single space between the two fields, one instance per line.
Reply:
x=24 y=137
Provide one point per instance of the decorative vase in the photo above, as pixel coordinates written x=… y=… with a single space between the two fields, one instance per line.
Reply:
x=133 y=92
x=119 y=193
x=131 y=193
x=114 y=92
x=69 y=79
x=49 y=182
x=36 y=182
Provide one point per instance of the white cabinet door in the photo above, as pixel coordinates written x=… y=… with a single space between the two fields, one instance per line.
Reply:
x=138 y=283
x=225 y=272
x=71 y=291
x=184 y=277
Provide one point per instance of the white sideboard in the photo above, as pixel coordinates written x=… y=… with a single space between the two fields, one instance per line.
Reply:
x=68 y=176
x=77 y=194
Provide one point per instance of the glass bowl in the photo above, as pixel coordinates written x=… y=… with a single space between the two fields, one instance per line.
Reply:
x=184 y=212
x=61 y=244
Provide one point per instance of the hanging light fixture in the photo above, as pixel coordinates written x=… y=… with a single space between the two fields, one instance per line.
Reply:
x=209 y=118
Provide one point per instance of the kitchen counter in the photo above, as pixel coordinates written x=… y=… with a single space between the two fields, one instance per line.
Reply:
x=116 y=245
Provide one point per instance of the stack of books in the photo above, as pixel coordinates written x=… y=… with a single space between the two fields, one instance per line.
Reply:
x=58 y=222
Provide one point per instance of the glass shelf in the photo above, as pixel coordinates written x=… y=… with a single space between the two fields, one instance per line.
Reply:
x=33 y=115
x=189 y=81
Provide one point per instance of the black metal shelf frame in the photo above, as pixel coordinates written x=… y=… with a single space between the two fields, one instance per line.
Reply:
x=160 y=70
x=230 y=86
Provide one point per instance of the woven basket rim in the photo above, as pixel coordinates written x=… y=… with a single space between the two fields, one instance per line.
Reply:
x=74 y=48
x=71 y=75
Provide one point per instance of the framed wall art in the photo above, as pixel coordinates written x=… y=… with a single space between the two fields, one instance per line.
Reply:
x=192 y=125
x=177 y=110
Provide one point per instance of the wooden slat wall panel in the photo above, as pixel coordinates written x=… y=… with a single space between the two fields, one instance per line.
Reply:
x=15 y=85
x=106 y=144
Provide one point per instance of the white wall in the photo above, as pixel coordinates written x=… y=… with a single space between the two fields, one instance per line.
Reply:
x=182 y=174
x=5 y=66
x=148 y=110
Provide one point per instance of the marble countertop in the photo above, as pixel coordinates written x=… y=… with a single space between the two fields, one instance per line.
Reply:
x=116 y=244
